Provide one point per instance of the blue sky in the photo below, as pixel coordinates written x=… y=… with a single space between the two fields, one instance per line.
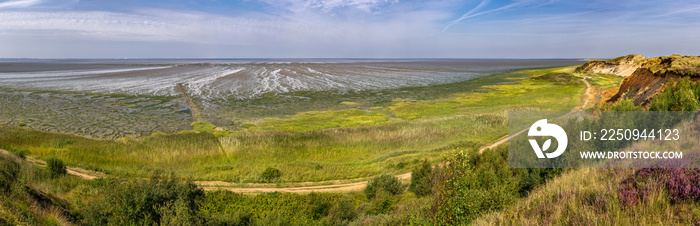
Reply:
x=347 y=29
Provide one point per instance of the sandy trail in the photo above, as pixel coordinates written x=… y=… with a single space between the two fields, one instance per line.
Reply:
x=75 y=171
x=331 y=186
x=588 y=97
x=298 y=187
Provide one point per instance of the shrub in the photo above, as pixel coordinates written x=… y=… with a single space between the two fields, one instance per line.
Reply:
x=401 y=165
x=342 y=213
x=159 y=200
x=179 y=213
x=472 y=184
x=622 y=105
x=682 y=96
x=318 y=205
x=240 y=218
x=55 y=166
x=270 y=174
x=386 y=182
x=530 y=178
x=382 y=203
x=421 y=179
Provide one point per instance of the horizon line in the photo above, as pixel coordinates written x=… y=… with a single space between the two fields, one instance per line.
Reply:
x=307 y=58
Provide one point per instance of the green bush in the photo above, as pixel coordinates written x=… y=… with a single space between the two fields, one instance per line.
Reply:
x=421 y=179
x=55 y=166
x=270 y=174
x=683 y=96
x=342 y=213
x=159 y=200
x=473 y=184
x=623 y=105
x=179 y=213
x=386 y=182
x=241 y=218
x=382 y=203
x=318 y=205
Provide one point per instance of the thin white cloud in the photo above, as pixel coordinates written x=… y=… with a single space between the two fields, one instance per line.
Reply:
x=473 y=12
x=18 y=3
x=467 y=14
x=365 y=5
x=688 y=9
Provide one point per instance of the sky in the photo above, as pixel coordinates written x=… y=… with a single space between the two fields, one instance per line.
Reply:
x=347 y=29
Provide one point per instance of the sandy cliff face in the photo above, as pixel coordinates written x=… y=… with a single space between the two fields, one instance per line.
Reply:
x=654 y=75
x=622 y=66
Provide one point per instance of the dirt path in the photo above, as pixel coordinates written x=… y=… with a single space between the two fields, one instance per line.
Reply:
x=330 y=186
x=588 y=97
x=75 y=171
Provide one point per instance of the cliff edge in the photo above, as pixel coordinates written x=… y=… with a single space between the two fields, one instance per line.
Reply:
x=652 y=76
x=623 y=66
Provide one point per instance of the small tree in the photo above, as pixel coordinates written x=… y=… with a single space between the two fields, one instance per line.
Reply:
x=420 y=179
x=56 y=166
x=386 y=182
x=270 y=174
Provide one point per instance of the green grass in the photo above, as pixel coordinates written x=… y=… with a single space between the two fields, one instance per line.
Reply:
x=316 y=120
x=203 y=126
x=373 y=138
x=606 y=81
x=526 y=94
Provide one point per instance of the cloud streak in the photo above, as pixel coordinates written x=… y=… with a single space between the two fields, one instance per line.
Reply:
x=365 y=5
x=474 y=12
x=18 y=3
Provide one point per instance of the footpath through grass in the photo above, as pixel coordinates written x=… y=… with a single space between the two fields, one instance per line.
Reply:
x=363 y=139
